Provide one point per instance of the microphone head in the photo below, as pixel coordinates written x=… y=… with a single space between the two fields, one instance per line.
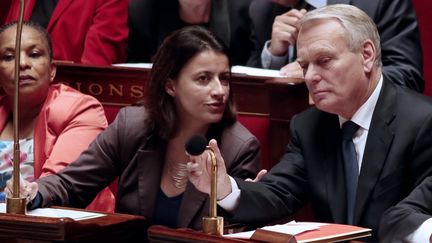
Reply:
x=196 y=145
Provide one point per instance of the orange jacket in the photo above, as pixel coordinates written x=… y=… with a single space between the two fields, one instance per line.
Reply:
x=67 y=123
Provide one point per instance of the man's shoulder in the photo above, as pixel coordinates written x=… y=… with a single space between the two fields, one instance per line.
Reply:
x=265 y=7
x=410 y=101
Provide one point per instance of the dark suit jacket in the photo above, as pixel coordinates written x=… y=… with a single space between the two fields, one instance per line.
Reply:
x=400 y=221
x=397 y=157
x=133 y=152
x=397 y=24
x=82 y=31
x=150 y=21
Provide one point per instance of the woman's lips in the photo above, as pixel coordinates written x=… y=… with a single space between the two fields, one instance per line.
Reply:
x=25 y=79
x=217 y=107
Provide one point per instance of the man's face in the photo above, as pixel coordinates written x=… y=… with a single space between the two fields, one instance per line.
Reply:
x=335 y=75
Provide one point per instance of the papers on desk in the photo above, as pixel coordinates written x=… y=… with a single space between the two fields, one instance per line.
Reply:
x=134 y=65
x=312 y=232
x=259 y=72
x=58 y=213
x=292 y=228
x=242 y=70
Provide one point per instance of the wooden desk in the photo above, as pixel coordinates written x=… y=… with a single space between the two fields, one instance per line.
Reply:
x=109 y=228
x=326 y=234
x=260 y=97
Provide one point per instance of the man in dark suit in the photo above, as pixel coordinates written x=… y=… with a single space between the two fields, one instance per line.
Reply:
x=150 y=21
x=274 y=36
x=338 y=48
x=411 y=219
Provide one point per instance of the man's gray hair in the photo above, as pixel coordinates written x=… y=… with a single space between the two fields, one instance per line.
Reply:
x=357 y=24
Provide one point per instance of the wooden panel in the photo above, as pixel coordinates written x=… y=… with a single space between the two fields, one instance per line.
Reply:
x=110 y=85
x=286 y=100
x=109 y=228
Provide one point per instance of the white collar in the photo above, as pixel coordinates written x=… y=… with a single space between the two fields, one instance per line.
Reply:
x=317 y=3
x=363 y=116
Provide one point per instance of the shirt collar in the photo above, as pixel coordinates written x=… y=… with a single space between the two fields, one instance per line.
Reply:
x=317 y=3
x=363 y=116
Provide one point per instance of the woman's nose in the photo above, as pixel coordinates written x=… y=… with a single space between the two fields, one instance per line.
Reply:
x=217 y=87
x=24 y=61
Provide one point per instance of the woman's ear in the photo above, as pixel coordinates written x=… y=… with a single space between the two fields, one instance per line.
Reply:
x=53 y=72
x=170 y=87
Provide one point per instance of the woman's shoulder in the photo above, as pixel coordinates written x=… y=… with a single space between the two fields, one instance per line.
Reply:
x=237 y=132
x=64 y=95
x=132 y=117
x=65 y=105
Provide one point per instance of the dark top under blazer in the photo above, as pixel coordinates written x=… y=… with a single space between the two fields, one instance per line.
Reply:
x=397 y=24
x=150 y=21
x=397 y=157
x=131 y=151
x=401 y=220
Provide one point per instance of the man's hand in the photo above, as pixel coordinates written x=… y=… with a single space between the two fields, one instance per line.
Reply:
x=258 y=177
x=292 y=70
x=199 y=169
x=284 y=32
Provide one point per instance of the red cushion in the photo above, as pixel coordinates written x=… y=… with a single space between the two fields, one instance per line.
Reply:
x=259 y=126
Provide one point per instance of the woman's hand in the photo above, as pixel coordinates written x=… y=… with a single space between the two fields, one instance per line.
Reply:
x=28 y=190
x=199 y=169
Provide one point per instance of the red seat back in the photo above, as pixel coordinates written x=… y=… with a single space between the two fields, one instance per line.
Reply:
x=259 y=126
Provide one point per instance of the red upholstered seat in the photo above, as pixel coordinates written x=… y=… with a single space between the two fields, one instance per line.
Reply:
x=259 y=126
x=424 y=18
x=111 y=112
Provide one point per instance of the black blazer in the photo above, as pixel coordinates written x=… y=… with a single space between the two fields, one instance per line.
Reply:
x=400 y=221
x=150 y=21
x=397 y=24
x=397 y=157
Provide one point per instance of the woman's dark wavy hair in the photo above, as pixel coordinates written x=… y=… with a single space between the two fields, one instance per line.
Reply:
x=174 y=53
x=36 y=27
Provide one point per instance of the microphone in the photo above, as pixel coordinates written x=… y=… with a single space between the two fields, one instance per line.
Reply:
x=212 y=224
x=196 y=145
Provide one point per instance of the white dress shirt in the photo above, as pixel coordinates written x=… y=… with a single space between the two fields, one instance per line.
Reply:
x=422 y=233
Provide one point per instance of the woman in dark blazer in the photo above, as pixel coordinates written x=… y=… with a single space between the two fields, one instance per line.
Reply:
x=188 y=93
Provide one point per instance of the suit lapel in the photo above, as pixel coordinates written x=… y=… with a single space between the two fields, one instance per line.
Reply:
x=378 y=143
x=192 y=204
x=333 y=167
x=58 y=11
x=149 y=166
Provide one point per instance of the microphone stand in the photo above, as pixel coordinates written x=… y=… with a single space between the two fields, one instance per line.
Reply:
x=213 y=224
x=17 y=204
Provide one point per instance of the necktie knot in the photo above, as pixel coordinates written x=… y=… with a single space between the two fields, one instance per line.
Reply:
x=348 y=130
